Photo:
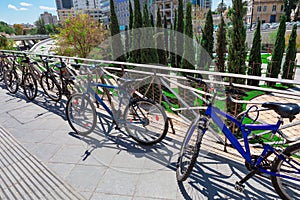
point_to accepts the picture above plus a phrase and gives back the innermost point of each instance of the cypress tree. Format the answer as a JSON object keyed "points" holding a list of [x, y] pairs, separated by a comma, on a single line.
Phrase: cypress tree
{"points": [[254, 67], [274, 66], [188, 59], [207, 40], [129, 34], [291, 51], [179, 29], [137, 23], [237, 48], [152, 20], [130, 16], [160, 43], [166, 37], [116, 44], [221, 46], [173, 41]]}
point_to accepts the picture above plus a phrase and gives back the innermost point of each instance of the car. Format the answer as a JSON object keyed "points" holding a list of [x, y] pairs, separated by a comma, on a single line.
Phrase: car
{"points": [[274, 25], [265, 26]]}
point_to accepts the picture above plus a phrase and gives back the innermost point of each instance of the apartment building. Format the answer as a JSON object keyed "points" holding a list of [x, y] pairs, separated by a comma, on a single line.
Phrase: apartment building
{"points": [[268, 11]]}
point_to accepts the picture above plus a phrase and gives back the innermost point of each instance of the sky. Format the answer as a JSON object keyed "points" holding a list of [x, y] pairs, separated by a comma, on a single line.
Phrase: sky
{"points": [[28, 11], [25, 11]]}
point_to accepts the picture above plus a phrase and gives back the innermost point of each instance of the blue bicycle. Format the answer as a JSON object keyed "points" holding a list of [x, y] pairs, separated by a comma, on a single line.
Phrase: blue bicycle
{"points": [[143, 119], [283, 169]]}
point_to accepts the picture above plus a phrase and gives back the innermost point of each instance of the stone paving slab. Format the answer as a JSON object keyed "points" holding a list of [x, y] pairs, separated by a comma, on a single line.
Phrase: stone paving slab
{"points": [[113, 166]]}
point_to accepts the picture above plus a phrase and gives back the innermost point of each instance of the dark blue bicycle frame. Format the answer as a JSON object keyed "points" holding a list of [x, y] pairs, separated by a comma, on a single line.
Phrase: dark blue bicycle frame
{"points": [[246, 130]]}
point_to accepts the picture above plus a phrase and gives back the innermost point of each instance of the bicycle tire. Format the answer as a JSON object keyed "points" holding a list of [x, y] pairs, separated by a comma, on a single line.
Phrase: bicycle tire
{"points": [[189, 151], [145, 121], [281, 184], [3, 68], [11, 80], [30, 86], [82, 110], [51, 87]]}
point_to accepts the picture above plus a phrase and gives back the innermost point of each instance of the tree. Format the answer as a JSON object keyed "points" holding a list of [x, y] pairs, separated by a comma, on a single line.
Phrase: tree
{"points": [[129, 38], [19, 29], [130, 16], [288, 6], [79, 35], [237, 49], [136, 56], [221, 47], [254, 66], [40, 25], [179, 29], [221, 7], [4, 27], [160, 43], [148, 55], [188, 58], [274, 66], [207, 40], [291, 51], [3, 42], [173, 41], [166, 38], [117, 47]]}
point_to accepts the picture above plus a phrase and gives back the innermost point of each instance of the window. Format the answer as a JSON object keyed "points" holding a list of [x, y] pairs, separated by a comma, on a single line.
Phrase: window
{"points": [[265, 8], [258, 8], [274, 8]]}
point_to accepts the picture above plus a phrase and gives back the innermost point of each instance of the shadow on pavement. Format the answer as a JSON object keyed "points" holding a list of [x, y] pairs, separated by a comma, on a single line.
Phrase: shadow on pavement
{"points": [[214, 177]]}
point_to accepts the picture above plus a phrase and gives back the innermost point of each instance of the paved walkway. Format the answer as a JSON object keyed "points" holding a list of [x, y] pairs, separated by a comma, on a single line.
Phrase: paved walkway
{"points": [[41, 158]]}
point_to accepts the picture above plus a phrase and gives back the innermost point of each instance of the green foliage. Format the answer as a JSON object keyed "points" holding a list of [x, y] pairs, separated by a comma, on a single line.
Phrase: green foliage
{"points": [[79, 35], [289, 64], [5, 28], [274, 66], [52, 29], [207, 40], [40, 25], [255, 57], [117, 47], [221, 47], [160, 41], [179, 29], [135, 55], [173, 41], [130, 16], [188, 59], [237, 49], [3, 42], [19, 29]]}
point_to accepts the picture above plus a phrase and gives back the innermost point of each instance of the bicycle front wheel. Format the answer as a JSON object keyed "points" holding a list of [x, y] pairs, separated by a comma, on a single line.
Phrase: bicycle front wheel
{"points": [[145, 121], [287, 187], [11, 80], [81, 114], [30, 86], [51, 87], [189, 151]]}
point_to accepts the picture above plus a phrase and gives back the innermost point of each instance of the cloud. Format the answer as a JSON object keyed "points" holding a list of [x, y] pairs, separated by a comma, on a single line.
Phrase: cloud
{"points": [[46, 8], [10, 6], [25, 4]]}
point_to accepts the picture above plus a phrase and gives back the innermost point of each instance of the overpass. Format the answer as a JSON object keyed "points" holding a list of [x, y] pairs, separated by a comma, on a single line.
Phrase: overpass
{"points": [[27, 41]]}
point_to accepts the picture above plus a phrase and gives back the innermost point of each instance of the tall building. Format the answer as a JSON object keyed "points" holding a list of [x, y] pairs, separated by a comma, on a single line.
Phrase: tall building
{"points": [[203, 3], [64, 4], [86, 4], [49, 18]]}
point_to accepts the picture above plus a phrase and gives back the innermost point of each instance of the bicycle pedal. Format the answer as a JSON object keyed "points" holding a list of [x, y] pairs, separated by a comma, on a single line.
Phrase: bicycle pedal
{"points": [[239, 187]]}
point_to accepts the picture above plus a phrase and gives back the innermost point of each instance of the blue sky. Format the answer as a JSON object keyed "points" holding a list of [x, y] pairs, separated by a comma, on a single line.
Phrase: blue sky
{"points": [[28, 11], [25, 11]]}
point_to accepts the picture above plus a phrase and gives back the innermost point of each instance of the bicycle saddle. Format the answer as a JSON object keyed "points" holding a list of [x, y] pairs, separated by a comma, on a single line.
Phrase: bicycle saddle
{"points": [[285, 110]]}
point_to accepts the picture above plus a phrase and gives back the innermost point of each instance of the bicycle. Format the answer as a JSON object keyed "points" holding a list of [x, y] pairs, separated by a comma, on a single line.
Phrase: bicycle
{"points": [[53, 88], [284, 170], [25, 79], [144, 120], [3, 65]]}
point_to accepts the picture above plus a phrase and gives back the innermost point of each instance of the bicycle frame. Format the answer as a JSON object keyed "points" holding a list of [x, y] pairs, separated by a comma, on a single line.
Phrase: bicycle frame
{"points": [[246, 129]]}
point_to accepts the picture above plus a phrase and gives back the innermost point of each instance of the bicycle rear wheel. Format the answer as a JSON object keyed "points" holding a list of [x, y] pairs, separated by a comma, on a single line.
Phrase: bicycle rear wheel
{"points": [[81, 114], [3, 68], [51, 87], [30, 86], [189, 151], [11, 80], [146, 121], [287, 188]]}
